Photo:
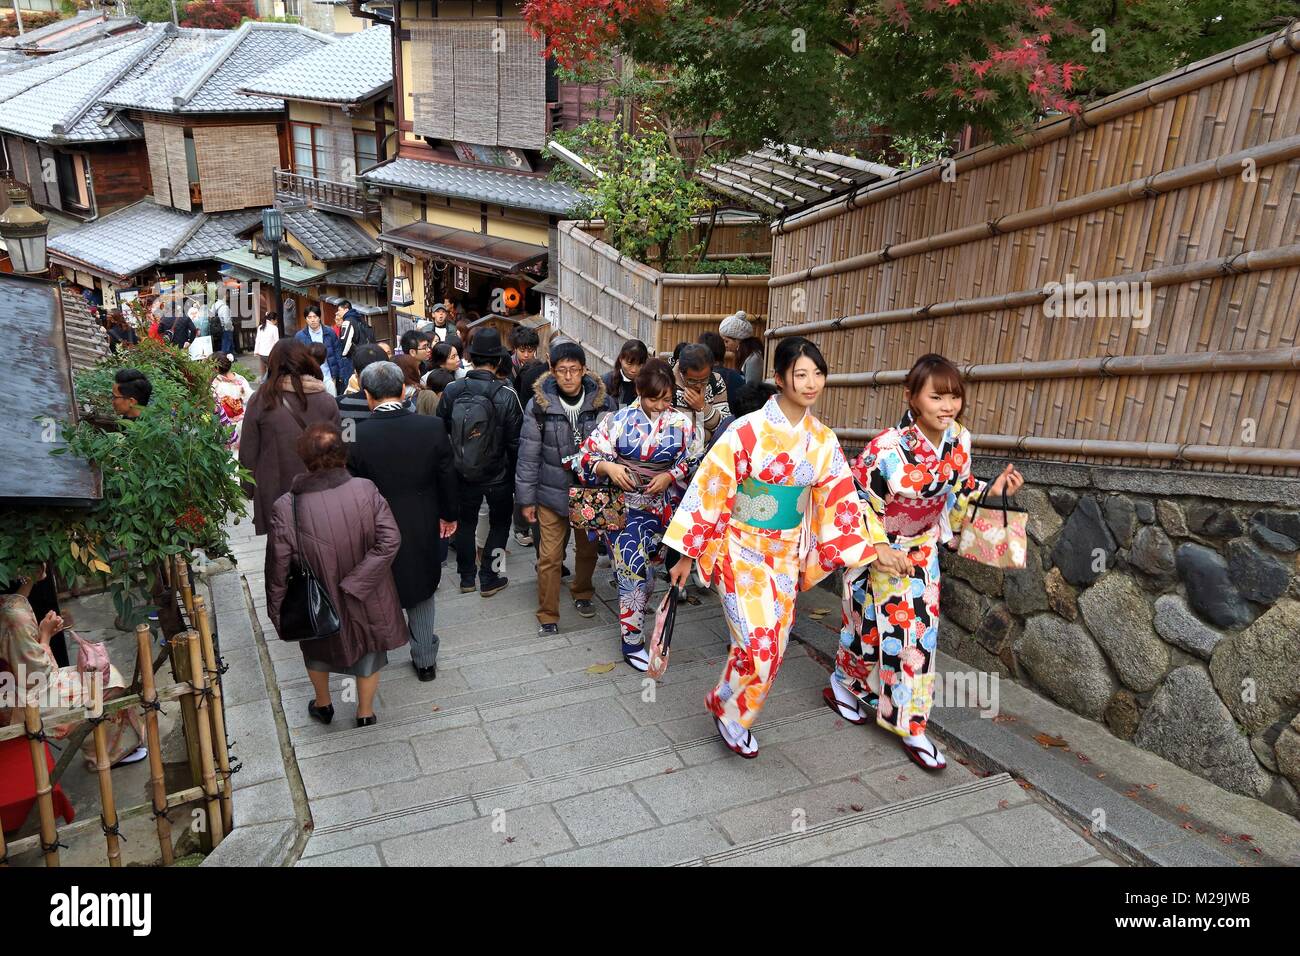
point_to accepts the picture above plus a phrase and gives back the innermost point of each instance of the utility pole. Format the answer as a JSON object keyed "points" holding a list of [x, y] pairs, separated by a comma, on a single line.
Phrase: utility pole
{"points": [[174, 20], [19, 14]]}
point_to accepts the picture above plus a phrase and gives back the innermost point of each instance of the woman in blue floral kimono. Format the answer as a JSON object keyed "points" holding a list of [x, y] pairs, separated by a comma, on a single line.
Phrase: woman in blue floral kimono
{"points": [[916, 479], [648, 449]]}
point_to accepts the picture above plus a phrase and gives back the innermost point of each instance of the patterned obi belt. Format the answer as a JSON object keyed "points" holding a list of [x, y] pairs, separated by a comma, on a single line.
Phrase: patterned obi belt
{"points": [[774, 507]]}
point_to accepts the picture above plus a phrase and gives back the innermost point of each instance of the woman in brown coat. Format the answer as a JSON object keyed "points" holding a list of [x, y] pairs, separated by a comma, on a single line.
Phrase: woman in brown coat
{"points": [[349, 539], [292, 397]]}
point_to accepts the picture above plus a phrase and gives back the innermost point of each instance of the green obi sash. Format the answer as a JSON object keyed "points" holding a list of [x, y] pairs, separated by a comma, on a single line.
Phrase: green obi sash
{"points": [[774, 507]]}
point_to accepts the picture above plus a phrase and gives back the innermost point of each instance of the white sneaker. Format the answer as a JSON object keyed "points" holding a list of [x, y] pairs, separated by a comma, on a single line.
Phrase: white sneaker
{"points": [[135, 756]]}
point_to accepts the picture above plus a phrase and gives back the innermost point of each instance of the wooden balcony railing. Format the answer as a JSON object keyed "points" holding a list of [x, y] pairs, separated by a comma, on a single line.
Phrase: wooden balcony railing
{"points": [[323, 193]]}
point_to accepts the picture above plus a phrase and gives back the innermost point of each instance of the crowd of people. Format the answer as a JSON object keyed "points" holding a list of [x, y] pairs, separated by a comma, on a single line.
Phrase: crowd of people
{"points": [[459, 438], [375, 468]]}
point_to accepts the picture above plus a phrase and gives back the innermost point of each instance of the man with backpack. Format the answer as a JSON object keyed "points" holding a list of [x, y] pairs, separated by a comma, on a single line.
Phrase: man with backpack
{"points": [[566, 406], [353, 331], [483, 417]]}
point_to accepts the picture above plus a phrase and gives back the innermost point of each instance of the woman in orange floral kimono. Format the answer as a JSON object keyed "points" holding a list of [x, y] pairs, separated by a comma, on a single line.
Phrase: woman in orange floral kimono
{"points": [[771, 511], [916, 481]]}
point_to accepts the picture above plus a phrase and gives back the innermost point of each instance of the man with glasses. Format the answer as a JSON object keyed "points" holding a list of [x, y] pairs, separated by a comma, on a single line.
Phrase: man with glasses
{"points": [[420, 345], [701, 392]]}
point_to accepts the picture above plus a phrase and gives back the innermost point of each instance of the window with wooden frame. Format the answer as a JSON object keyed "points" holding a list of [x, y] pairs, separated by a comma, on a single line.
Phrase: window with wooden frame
{"points": [[305, 157], [367, 149]]}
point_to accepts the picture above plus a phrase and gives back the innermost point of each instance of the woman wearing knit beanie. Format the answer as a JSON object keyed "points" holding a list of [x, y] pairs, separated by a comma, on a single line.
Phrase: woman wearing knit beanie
{"points": [[738, 332]]}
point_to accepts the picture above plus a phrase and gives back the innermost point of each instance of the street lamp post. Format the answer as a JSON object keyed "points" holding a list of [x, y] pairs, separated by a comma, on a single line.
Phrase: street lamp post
{"points": [[273, 232], [24, 231]]}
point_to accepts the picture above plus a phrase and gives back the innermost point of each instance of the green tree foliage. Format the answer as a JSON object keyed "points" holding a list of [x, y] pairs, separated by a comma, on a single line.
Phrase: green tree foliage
{"points": [[645, 195], [169, 480], [151, 11]]}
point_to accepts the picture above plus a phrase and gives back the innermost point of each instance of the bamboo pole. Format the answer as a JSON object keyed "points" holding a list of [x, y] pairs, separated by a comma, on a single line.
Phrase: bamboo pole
{"points": [[216, 711], [108, 808], [203, 705], [1264, 360], [1183, 272], [187, 588], [171, 802], [1249, 56], [44, 789], [1152, 451], [65, 717], [182, 670], [1167, 181], [157, 787]]}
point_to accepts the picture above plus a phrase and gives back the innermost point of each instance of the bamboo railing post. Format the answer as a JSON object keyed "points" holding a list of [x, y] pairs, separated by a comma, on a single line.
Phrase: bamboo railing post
{"points": [[149, 698], [186, 588], [108, 808], [183, 672], [44, 789], [217, 712], [203, 702]]}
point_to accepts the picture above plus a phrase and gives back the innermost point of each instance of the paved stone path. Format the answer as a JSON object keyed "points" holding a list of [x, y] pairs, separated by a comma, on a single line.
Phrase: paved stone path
{"points": [[552, 751]]}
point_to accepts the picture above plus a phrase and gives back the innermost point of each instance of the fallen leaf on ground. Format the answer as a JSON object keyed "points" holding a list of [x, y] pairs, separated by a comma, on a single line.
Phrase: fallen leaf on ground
{"points": [[436, 708], [857, 807], [1047, 740], [1255, 849], [671, 770], [510, 839], [1101, 776], [1131, 794], [1225, 839], [1003, 719], [1183, 808], [902, 778], [1003, 804], [1149, 786], [1245, 837], [1025, 784], [1188, 826], [600, 668], [1083, 757]]}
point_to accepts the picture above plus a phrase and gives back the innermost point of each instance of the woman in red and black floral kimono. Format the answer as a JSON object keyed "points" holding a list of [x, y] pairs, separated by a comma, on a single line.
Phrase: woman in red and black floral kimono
{"points": [[916, 480]]}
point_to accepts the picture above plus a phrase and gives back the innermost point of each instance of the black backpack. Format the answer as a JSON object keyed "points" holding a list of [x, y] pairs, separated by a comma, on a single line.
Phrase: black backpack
{"points": [[362, 333], [476, 433]]}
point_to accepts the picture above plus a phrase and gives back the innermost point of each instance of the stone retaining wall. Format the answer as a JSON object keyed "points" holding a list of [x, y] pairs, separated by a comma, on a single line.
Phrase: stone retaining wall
{"points": [[1175, 620]]}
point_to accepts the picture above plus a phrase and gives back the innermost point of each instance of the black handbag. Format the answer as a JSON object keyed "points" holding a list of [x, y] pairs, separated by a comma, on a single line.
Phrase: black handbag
{"points": [[307, 613]]}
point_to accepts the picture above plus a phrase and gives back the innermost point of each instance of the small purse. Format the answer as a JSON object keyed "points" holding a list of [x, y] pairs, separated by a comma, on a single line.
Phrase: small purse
{"points": [[995, 536], [597, 509], [306, 613], [662, 638]]}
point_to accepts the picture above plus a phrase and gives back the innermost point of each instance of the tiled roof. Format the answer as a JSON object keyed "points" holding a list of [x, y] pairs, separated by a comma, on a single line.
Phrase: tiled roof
{"points": [[781, 179], [145, 234], [206, 80], [87, 342], [476, 184], [127, 241], [330, 237], [54, 97], [88, 34], [216, 232], [369, 272], [351, 70], [32, 38]]}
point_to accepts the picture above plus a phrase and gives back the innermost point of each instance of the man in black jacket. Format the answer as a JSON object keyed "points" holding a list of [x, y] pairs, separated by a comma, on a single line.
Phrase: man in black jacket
{"points": [[483, 416], [409, 459], [353, 405], [567, 404]]}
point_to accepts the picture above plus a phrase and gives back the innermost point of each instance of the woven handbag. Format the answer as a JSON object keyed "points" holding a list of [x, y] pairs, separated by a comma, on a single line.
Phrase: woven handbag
{"points": [[597, 509], [995, 535]]}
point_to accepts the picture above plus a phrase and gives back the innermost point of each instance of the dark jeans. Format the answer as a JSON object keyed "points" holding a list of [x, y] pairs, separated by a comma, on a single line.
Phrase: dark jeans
{"points": [[227, 342], [500, 500]]}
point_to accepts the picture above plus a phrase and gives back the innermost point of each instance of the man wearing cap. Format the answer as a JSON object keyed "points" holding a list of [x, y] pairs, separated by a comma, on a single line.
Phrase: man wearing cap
{"points": [[483, 417], [441, 326]]}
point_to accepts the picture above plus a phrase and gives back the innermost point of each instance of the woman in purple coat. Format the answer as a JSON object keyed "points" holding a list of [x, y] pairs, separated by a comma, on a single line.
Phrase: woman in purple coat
{"points": [[349, 539]]}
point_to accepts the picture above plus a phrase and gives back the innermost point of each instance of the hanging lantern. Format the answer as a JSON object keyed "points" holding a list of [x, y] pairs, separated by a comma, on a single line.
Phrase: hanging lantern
{"points": [[24, 231], [511, 299], [402, 291]]}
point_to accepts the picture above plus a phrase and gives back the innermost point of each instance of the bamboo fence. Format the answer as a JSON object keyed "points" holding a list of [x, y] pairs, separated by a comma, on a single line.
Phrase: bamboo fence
{"points": [[607, 298], [1167, 212], [193, 655]]}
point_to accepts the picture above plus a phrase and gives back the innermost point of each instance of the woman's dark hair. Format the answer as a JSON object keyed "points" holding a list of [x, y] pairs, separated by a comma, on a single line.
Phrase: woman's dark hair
{"points": [[633, 350], [320, 446], [718, 347], [410, 366], [750, 398], [655, 379], [944, 374], [133, 383], [269, 316], [790, 350], [319, 353], [442, 351], [439, 379], [363, 355], [289, 359], [677, 350], [223, 363], [750, 346]]}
